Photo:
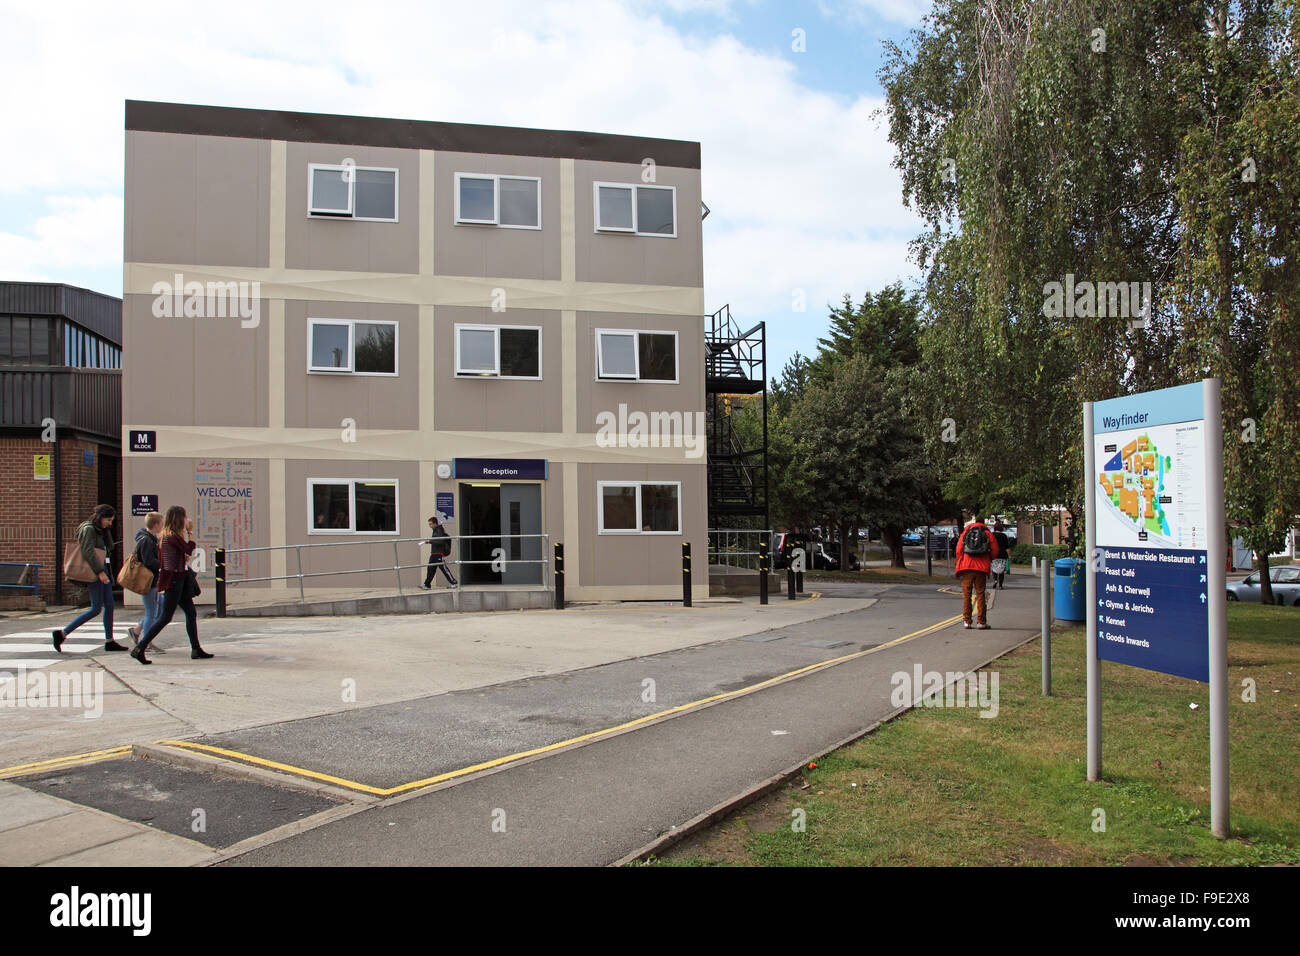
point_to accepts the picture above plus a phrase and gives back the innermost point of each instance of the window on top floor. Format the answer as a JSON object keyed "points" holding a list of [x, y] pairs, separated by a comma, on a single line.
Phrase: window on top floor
{"points": [[512, 202], [635, 208], [366, 193]]}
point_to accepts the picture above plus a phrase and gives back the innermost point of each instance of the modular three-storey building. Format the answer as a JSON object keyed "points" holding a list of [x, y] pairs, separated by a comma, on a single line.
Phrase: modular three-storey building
{"points": [[335, 327]]}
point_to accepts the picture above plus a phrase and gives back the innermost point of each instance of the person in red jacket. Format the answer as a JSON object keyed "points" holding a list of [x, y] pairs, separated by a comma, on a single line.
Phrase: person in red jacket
{"points": [[976, 549], [174, 581]]}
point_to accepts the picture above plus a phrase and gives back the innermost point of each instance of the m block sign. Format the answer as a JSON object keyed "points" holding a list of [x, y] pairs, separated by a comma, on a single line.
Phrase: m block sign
{"points": [[1151, 531]]}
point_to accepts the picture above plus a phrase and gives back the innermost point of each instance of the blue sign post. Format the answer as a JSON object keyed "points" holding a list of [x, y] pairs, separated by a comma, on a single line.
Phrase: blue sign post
{"points": [[1157, 588]]}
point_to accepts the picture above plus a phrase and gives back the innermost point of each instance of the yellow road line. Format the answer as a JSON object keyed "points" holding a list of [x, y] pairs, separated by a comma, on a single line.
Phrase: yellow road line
{"points": [[262, 762], [60, 763], [549, 748]]}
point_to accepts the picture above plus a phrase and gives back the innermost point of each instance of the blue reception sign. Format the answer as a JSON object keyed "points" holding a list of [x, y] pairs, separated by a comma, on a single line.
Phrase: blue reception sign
{"points": [[498, 469], [1152, 531]]}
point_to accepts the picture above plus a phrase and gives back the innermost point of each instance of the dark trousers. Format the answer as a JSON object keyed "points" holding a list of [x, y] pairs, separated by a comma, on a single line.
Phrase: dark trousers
{"points": [[435, 565], [171, 599]]}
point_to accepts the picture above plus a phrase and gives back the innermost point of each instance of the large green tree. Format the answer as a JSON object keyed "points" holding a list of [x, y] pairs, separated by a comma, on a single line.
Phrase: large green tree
{"points": [[1073, 141]]}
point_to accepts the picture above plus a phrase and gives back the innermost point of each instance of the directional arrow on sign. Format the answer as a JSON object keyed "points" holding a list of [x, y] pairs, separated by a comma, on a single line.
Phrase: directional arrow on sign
{"points": [[1202, 559], [1101, 604], [1202, 597], [1202, 578]]}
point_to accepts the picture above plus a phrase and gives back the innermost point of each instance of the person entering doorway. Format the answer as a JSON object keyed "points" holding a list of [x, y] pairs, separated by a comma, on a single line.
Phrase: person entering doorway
{"points": [[439, 548]]}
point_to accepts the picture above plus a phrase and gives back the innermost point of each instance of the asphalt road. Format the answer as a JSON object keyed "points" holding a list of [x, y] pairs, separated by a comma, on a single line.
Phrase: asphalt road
{"points": [[592, 804]]}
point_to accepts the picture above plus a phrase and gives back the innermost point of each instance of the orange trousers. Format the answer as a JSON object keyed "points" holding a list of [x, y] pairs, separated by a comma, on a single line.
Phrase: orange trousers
{"points": [[973, 580]]}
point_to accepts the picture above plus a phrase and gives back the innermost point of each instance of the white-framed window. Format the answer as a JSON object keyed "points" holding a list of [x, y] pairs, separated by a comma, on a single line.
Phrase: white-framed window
{"points": [[352, 506], [636, 208], [511, 202], [352, 345], [368, 193], [639, 507], [636, 356], [499, 351]]}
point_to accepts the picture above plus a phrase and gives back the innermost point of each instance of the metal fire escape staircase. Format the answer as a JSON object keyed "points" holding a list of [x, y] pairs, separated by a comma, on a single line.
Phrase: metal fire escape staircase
{"points": [[735, 363]]}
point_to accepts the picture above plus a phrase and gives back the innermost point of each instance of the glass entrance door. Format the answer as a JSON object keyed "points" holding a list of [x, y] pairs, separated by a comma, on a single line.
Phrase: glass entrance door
{"points": [[494, 510]]}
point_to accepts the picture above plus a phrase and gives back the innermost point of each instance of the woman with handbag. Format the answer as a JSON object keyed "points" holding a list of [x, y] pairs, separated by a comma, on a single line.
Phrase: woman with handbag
{"points": [[146, 553], [94, 548], [176, 584]]}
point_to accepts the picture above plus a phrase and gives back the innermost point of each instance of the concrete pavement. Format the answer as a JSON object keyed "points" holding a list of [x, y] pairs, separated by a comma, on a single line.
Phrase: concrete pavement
{"points": [[387, 702]]}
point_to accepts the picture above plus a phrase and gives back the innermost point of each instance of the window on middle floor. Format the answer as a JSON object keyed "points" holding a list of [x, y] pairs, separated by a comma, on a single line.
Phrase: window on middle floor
{"points": [[513, 202], [499, 351], [636, 356], [348, 345]]}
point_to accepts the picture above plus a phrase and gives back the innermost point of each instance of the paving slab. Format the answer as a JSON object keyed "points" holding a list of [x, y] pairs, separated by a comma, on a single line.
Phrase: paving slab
{"points": [[60, 836]]}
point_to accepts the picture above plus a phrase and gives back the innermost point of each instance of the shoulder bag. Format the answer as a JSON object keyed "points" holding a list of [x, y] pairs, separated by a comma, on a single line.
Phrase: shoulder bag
{"points": [[135, 576], [75, 568]]}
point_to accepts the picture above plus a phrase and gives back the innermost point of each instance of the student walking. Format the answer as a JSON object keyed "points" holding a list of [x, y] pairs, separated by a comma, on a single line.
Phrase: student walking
{"points": [[176, 584], [439, 548], [146, 552], [976, 549], [96, 532], [1002, 563]]}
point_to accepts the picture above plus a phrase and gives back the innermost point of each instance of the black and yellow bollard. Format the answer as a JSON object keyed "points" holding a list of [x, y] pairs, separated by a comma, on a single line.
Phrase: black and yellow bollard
{"points": [[219, 569], [686, 574], [559, 575]]}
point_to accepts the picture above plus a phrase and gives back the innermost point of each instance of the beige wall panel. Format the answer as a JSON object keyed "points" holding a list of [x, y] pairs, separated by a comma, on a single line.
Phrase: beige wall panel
{"points": [[172, 479], [619, 257], [488, 404], [202, 199], [192, 371], [634, 559], [379, 553], [595, 396], [324, 399], [487, 251], [344, 245]]}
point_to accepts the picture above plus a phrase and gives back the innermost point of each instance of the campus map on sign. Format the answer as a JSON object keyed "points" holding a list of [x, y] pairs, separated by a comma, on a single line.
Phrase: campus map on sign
{"points": [[1151, 487], [1151, 535]]}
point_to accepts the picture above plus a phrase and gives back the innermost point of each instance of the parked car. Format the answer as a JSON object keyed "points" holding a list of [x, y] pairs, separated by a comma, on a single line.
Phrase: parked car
{"points": [[913, 537], [1285, 581]]}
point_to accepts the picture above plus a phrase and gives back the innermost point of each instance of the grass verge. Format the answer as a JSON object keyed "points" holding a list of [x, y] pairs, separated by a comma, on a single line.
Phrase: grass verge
{"points": [[947, 787]]}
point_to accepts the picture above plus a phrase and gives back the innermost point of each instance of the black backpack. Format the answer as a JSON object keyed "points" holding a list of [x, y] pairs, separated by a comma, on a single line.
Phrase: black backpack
{"points": [[975, 542]]}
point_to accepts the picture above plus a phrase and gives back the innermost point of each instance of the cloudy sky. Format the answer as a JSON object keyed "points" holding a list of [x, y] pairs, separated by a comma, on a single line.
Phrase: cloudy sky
{"points": [[796, 164]]}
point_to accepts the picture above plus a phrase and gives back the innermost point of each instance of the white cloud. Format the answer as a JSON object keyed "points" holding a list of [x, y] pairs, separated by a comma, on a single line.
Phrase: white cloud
{"points": [[79, 235], [799, 181]]}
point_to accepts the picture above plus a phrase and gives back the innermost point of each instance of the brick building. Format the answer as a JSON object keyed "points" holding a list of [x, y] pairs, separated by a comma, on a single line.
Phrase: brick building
{"points": [[60, 423]]}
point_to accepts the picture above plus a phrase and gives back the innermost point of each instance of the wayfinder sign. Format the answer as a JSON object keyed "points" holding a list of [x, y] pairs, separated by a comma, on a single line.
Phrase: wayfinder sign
{"points": [[1157, 547], [1151, 529]]}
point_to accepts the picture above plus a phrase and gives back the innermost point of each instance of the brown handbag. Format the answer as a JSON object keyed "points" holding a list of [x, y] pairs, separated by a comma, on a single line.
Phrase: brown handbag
{"points": [[75, 567], [135, 575]]}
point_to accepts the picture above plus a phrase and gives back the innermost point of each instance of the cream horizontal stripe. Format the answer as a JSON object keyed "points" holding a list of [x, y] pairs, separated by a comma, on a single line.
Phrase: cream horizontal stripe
{"points": [[412, 289], [395, 445]]}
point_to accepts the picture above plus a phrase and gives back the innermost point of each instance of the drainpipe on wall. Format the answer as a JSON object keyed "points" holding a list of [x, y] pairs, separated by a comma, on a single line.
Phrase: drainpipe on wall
{"points": [[58, 525]]}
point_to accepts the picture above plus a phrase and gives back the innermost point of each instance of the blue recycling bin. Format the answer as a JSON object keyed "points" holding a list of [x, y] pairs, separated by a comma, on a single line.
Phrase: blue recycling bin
{"points": [[1070, 589]]}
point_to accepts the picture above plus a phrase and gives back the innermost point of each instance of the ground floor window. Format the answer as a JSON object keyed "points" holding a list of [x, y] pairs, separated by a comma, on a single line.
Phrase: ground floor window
{"points": [[352, 505], [1043, 534], [639, 507]]}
